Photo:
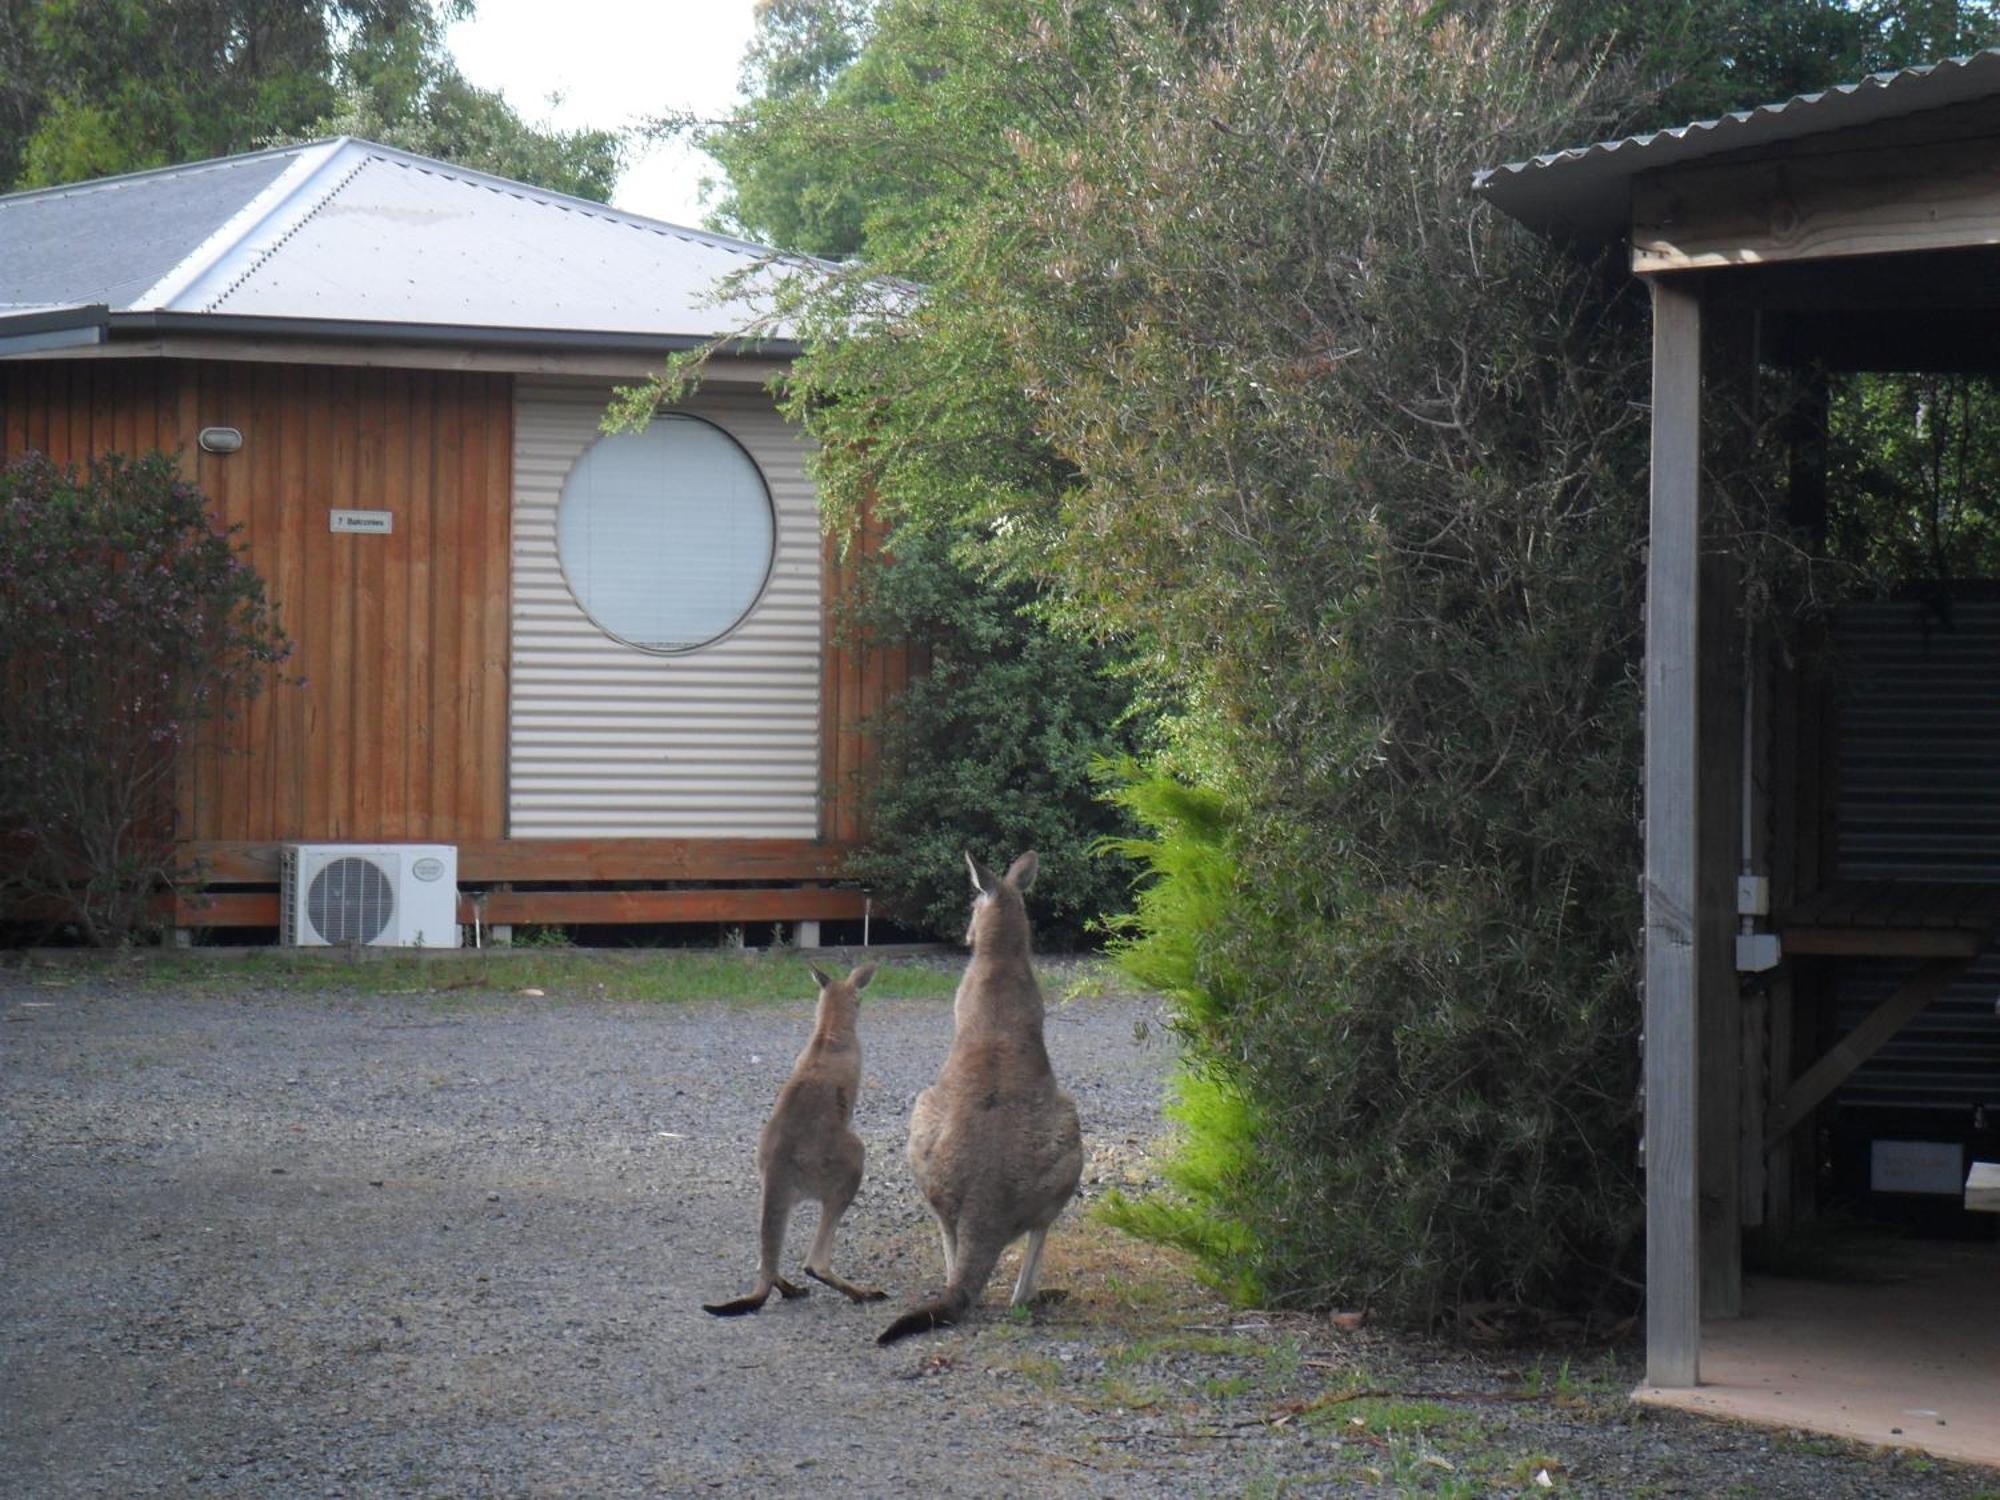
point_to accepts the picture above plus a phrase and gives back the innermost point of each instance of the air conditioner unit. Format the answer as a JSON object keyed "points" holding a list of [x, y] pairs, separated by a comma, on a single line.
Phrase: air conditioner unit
{"points": [[377, 895]]}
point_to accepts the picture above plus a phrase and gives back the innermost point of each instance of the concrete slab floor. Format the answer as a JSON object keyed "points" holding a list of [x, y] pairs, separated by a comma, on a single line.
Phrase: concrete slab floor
{"points": [[1910, 1361]]}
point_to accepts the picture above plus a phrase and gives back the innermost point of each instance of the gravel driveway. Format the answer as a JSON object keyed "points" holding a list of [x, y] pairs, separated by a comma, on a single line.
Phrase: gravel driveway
{"points": [[276, 1244]]}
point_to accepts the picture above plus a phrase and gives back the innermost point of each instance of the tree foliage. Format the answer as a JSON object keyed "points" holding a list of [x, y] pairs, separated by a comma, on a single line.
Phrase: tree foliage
{"points": [[1916, 472], [128, 626], [781, 189], [94, 87], [992, 749], [1184, 316]]}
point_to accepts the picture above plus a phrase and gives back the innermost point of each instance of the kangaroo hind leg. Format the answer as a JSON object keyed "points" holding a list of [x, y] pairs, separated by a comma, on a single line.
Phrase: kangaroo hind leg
{"points": [[1031, 1265], [773, 1212], [819, 1263]]}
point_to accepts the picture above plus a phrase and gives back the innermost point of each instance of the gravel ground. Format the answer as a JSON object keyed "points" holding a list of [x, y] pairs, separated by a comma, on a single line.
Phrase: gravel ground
{"points": [[275, 1244]]}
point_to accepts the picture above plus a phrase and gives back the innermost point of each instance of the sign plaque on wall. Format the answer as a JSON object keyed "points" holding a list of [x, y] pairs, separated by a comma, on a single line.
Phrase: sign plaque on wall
{"points": [[379, 522]]}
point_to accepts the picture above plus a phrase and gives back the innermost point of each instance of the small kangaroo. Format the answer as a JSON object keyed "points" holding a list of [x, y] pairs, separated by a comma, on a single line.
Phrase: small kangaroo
{"points": [[994, 1144], [809, 1150]]}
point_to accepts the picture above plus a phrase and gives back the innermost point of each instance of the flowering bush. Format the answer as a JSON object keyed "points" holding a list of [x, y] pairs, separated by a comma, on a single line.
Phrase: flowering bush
{"points": [[129, 625]]}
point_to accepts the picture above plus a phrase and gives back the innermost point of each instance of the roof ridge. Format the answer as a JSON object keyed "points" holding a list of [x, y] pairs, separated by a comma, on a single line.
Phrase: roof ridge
{"points": [[277, 243], [571, 202], [124, 179], [228, 235]]}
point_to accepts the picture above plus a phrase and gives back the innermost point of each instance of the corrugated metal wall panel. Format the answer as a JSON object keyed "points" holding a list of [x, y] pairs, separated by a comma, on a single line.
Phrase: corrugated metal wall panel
{"points": [[1920, 740], [606, 739], [1919, 800], [1947, 1059]]}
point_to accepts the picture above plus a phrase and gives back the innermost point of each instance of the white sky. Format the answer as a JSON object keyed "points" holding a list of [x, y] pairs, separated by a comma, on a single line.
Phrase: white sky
{"points": [[615, 62]]}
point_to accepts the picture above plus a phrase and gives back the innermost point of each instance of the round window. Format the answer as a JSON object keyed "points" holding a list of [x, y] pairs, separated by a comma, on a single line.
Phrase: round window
{"points": [[666, 537]]}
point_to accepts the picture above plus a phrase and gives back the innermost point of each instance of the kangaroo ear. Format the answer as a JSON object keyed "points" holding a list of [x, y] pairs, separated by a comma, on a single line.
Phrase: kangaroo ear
{"points": [[1021, 873], [860, 977], [820, 976], [982, 878]]}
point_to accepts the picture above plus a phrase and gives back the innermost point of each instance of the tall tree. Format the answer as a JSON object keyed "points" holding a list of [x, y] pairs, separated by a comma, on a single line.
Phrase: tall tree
{"points": [[403, 89], [93, 87], [800, 52]]}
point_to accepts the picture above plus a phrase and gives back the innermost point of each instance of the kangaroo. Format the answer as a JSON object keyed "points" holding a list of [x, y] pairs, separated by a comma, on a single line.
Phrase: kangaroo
{"points": [[994, 1144], [809, 1150]]}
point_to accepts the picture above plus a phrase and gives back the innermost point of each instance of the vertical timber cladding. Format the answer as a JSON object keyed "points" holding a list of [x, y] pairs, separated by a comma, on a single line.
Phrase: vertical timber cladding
{"points": [[392, 723], [388, 721], [607, 740]]}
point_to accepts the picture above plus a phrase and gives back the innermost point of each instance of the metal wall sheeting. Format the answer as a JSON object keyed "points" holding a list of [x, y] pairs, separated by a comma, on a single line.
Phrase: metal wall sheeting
{"points": [[1919, 799], [1947, 1059], [1919, 740], [606, 740]]}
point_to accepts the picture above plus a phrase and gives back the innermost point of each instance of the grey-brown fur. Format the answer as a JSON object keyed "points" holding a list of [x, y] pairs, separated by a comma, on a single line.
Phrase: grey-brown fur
{"points": [[994, 1144], [809, 1148]]}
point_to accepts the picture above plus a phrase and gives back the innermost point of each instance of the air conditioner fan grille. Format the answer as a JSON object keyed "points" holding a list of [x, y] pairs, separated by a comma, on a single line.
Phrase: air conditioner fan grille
{"points": [[350, 900]]}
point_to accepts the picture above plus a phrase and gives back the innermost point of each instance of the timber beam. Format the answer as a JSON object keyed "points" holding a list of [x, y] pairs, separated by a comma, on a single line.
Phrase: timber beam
{"points": [[1798, 1101]]}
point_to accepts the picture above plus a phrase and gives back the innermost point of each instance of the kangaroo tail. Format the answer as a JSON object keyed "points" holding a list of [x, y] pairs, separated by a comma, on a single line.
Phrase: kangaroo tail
{"points": [[736, 1308], [978, 1254], [941, 1312]]}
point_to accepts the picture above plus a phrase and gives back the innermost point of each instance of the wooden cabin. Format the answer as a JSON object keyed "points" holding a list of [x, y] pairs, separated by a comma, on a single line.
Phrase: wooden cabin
{"points": [[1822, 854], [602, 667]]}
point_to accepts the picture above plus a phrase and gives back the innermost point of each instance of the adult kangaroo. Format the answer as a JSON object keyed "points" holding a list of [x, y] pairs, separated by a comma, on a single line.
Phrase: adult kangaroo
{"points": [[994, 1143], [809, 1149]]}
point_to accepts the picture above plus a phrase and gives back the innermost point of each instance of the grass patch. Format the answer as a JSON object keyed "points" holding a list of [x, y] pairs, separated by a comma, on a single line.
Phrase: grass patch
{"points": [[675, 975], [1039, 1370], [1121, 1393], [1207, 1345], [1128, 1288], [1392, 1416]]}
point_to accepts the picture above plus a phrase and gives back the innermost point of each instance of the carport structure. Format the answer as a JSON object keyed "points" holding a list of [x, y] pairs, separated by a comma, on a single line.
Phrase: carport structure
{"points": [[1852, 230]]}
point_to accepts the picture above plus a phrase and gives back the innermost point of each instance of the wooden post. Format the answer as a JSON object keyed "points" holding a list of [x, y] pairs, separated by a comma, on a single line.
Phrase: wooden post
{"points": [[1781, 1166], [1728, 358], [1751, 1093], [1673, 935]]}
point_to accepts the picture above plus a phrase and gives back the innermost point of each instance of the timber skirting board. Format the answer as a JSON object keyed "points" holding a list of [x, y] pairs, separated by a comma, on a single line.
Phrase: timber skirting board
{"points": [[484, 861], [792, 875], [584, 908]]}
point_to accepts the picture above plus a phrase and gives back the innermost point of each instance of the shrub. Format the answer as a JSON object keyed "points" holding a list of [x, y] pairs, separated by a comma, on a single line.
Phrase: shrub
{"points": [[128, 626], [1171, 943], [1364, 462], [989, 751]]}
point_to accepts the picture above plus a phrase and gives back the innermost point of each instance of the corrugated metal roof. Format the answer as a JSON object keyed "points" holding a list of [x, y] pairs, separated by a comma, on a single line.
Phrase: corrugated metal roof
{"points": [[1585, 192], [346, 231], [109, 241]]}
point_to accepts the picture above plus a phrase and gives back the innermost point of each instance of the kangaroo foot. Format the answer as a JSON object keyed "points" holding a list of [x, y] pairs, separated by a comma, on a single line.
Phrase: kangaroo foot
{"points": [[1049, 1296], [849, 1289], [750, 1304]]}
